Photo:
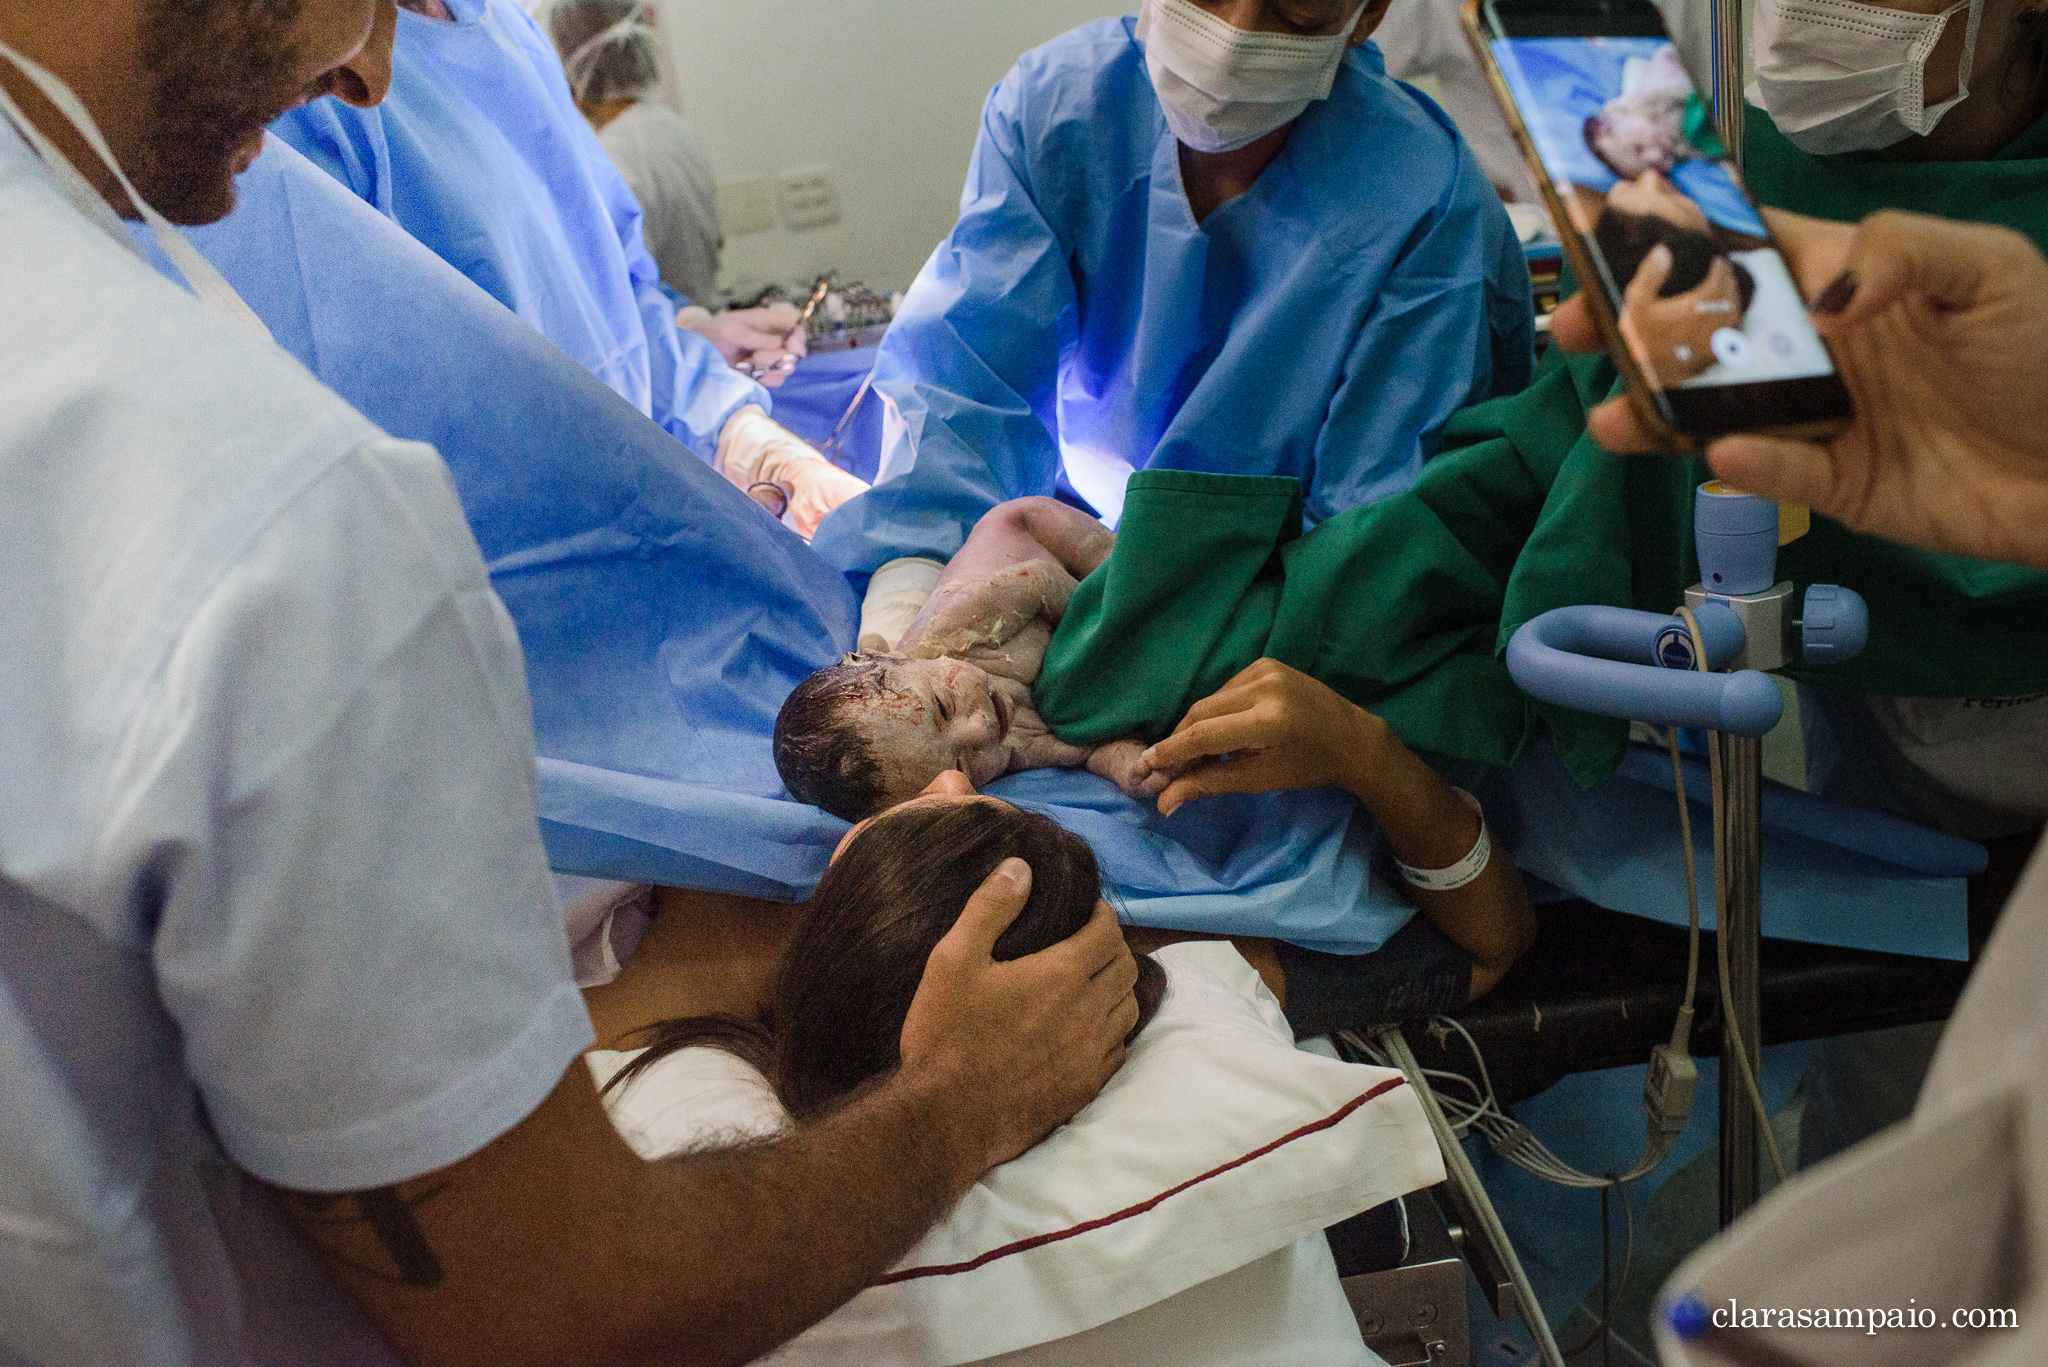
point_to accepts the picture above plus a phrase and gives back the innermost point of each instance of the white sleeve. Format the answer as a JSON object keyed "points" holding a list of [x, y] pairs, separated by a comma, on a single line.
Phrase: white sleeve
{"points": [[333, 778]]}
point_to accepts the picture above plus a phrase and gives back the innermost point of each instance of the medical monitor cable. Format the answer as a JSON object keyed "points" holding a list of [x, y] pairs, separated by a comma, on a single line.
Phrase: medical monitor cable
{"points": [[1732, 1031], [1668, 1087]]}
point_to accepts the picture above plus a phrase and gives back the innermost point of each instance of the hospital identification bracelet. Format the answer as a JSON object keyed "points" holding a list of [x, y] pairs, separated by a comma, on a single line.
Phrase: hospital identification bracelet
{"points": [[1460, 873]]}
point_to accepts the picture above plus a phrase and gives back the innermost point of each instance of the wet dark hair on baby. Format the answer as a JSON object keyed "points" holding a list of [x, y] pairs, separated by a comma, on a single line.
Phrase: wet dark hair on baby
{"points": [[822, 756], [847, 978]]}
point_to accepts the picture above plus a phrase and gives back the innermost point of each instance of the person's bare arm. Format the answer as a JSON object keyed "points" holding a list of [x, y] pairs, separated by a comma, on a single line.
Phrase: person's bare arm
{"points": [[556, 1245], [1281, 729]]}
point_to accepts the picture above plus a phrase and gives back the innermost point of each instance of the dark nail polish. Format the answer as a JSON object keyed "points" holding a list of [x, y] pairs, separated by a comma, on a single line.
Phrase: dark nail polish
{"points": [[1836, 296]]}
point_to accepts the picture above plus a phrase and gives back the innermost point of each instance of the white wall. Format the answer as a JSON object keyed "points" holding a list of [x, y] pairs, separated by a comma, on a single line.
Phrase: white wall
{"points": [[887, 93]]}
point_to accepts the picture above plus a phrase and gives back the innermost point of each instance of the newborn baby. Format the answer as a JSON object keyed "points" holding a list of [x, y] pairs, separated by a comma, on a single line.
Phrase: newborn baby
{"points": [[1643, 128], [873, 730]]}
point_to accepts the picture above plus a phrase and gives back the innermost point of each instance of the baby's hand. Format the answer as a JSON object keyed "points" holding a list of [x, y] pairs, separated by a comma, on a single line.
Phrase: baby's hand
{"points": [[1122, 762]]}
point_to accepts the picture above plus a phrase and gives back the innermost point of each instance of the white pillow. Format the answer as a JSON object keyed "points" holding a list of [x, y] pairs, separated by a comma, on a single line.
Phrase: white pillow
{"points": [[1216, 1144]]}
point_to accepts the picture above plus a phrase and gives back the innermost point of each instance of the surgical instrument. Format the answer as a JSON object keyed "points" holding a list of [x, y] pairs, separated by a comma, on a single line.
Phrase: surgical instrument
{"points": [[811, 307], [788, 362], [830, 449]]}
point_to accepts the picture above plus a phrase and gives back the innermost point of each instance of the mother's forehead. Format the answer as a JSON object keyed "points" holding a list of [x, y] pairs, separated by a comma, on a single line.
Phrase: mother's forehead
{"points": [[926, 798]]}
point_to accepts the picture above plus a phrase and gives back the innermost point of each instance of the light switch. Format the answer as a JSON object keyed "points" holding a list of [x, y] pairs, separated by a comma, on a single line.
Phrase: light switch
{"points": [[808, 197]]}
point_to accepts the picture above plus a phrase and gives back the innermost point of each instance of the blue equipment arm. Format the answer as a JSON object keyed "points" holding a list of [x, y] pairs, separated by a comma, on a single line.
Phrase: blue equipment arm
{"points": [[1606, 661]]}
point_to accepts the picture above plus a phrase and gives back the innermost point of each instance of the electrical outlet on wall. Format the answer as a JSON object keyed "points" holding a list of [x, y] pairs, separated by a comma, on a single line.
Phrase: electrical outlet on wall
{"points": [[745, 206], [809, 197]]}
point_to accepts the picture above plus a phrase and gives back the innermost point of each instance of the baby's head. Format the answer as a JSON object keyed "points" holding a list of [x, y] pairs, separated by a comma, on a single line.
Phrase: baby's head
{"points": [[1631, 142], [869, 732], [1643, 128]]}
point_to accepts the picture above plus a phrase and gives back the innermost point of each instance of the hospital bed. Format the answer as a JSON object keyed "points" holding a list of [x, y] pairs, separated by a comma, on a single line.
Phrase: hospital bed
{"points": [[664, 617], [1598, 989]]}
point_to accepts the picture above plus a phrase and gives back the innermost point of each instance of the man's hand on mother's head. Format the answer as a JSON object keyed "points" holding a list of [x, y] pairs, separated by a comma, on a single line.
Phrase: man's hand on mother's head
{"points": [[1031, 1039]]}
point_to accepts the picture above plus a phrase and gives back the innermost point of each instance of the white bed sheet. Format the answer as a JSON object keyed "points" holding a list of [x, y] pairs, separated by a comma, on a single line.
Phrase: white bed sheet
{"points": [[1212, 1246], [1286, 1308]]}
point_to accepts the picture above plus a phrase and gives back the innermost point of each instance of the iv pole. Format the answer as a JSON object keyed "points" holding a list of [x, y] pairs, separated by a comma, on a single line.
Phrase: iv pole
{"points": [[1618, 662], [1730, 43], [1740, 863]]}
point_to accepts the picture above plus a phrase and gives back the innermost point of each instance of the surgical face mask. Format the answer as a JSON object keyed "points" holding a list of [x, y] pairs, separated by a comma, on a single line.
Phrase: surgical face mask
{"points": [[1222, 87], [1836, 76]]}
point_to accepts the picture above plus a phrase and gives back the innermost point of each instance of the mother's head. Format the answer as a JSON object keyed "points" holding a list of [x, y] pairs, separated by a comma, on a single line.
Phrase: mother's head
{"points": [[894, 889], [1642, 214]]}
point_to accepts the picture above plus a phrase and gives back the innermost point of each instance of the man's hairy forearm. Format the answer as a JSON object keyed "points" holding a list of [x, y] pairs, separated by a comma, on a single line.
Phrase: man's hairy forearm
{"points": [[772, 1237], [556, 1245]]}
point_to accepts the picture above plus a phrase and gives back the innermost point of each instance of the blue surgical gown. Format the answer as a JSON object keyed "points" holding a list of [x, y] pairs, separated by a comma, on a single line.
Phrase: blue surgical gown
{"points": [[664, 616], [1322, 325], [479, 152]]}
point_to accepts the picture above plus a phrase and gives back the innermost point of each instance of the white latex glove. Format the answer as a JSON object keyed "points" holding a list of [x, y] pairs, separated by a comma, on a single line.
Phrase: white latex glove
{"points": [[756, 450], [896, 593], [752, 340]]}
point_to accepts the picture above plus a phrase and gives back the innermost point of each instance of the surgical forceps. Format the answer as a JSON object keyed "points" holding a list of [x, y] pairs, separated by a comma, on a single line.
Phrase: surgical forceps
{"points": [[754, 372], [830, 448]]}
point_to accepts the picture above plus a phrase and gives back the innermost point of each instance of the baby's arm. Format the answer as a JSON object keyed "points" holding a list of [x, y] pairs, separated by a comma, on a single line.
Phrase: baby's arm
{"points": [[1034, 746], [1020, 565], [1122, 762], [1026, 529], [1072, 538]]}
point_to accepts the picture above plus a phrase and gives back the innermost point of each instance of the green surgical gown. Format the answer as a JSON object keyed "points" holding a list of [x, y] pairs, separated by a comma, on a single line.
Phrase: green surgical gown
{"points": [[1407, 606]]}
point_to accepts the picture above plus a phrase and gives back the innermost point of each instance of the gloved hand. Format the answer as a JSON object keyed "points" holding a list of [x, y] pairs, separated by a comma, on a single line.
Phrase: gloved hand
{"points": [[755, 450], [751, 340], [896, 594]]}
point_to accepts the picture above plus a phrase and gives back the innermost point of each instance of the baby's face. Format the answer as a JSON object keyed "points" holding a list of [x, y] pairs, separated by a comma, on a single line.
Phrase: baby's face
{"points": [[1633, 143], [936, 715]]}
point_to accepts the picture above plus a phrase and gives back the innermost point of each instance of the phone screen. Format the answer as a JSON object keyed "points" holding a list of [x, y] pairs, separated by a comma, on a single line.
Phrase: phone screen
{"points": [[1718, 329]]}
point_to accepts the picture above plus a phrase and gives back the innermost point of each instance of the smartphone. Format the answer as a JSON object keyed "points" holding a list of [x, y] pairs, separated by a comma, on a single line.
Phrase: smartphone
{"points": [[1713, 339]]}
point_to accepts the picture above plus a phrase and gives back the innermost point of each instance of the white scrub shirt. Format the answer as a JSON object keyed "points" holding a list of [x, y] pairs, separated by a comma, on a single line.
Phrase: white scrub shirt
{"points": [[272, 897], [1943, 1217], [664, 163]]}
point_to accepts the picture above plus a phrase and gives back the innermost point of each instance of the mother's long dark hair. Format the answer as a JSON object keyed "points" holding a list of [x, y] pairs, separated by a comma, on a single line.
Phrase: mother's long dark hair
{"points": [[847, 978], [1626, 239]]}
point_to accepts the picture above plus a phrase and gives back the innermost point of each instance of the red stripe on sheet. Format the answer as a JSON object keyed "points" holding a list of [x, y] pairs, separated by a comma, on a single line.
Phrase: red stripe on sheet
{"points": [[1040, 1240]]}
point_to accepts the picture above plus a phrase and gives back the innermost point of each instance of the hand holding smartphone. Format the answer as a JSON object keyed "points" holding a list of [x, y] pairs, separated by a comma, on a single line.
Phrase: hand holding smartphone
{"points": [[1698, 309]]}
